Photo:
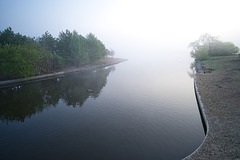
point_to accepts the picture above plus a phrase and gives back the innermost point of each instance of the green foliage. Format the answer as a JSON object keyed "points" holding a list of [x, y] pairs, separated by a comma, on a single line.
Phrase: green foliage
{"points": [[22, 60], [96, 48], [21, 56], [57, 62], [79, 54], [208, 45], [63, 44], [48, 42], [77, 50], [201, 53], [9, 37], [223, 49], [14, 62]]}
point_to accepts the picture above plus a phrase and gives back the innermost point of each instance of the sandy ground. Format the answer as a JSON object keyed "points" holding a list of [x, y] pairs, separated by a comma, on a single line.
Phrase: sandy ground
{"points": [[219, 88]]}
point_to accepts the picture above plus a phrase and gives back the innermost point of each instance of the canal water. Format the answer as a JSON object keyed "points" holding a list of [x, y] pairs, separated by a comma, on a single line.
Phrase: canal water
{"points": [[144, 109]]}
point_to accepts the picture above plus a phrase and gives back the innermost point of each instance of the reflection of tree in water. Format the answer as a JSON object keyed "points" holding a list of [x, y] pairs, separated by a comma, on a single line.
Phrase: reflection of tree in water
{"points": [[76, 89], [17, 103], [193, 70]]}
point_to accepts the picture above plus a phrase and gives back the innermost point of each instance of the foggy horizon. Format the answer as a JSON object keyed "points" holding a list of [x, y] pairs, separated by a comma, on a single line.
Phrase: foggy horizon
{"points": [[126, 25]]}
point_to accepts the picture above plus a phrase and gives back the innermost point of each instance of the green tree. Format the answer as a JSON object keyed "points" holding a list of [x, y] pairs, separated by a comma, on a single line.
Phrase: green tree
{"points": [[201, 53], [79, 54], [57, 61], [223, 49], [19, 61], [63, 45], [21, 56], [48, 42], [208, 45], [7, 36], [96, 49]]}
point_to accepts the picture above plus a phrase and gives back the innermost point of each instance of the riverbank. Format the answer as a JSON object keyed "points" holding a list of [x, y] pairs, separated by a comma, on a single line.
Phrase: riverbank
{"points": [[219, 89], [101, 63]]}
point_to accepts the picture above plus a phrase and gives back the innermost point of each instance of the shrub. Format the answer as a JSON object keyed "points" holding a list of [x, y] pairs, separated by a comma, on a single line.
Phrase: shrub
{"points": [[208, 45], [57, 62], [200, 54], [223, 49], [21, 61]]}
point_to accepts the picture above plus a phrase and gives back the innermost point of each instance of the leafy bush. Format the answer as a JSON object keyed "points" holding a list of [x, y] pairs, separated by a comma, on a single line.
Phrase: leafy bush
{"points": [[57, 62], [21, 61], [200, 54], [223, 49], [208, 45]]}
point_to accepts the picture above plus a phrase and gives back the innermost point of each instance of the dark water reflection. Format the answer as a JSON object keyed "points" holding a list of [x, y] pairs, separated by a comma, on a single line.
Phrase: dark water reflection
{"points": [[136, 112], [21, 102]]}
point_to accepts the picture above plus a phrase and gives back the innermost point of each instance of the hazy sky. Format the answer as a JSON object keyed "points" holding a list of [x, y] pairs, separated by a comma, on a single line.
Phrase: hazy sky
{"points": [[118, 22]]}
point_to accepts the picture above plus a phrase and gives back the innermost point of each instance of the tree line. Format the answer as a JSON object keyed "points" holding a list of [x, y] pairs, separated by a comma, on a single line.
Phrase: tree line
{"points": [[207, 46], [22, 56]]}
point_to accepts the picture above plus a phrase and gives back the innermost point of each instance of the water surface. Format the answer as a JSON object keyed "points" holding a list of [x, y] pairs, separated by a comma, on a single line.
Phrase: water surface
{"points": [[143, 109]]}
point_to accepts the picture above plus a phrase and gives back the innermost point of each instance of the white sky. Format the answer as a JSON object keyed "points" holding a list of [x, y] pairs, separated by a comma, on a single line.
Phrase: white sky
{"points": [[118, 22]]}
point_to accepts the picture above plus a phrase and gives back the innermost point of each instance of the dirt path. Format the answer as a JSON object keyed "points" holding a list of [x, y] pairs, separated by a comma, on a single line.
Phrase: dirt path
{"points": [[219, 88]]}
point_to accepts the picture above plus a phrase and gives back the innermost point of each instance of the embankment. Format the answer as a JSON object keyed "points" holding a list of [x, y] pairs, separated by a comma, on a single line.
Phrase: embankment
{"points": [[218, 94], [101, 63]]}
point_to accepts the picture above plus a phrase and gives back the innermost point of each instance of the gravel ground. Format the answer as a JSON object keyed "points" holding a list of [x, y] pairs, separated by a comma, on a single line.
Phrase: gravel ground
{"points": [[219, 88]]}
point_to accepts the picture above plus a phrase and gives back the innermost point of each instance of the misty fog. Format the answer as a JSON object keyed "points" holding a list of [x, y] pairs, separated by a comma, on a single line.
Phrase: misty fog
{"points": [[143, 108]]}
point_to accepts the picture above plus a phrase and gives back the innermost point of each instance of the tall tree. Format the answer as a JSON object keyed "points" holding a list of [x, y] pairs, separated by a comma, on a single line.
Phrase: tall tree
{"points": [[96, 49], [9, 37], [79, 52], [48, 42], [63, 45]]}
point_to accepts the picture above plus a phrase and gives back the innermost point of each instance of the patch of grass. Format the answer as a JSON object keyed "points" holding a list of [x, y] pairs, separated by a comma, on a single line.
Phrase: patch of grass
{"points": [[216, 63], [219, 86], [213, 65]]}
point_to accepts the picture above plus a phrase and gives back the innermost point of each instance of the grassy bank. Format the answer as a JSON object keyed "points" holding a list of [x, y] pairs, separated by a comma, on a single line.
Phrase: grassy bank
{"points": [[220, 63]]}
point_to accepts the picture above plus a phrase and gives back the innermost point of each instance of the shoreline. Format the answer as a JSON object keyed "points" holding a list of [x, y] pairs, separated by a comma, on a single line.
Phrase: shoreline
{"points": [[99, 64], [202, 113], [217, 92]]}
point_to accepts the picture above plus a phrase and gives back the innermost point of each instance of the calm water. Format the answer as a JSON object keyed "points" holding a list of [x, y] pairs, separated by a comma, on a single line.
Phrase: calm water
{"points": [[127, 111]]}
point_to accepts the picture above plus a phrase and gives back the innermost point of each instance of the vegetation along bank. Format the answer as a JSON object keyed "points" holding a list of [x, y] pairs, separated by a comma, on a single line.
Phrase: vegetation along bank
{"points": [[22, 56], [219, 89]]}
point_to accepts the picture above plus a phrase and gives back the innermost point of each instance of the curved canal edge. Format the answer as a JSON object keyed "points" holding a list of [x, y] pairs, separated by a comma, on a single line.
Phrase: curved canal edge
{"points": [[217, 93], [102, 63], [203, 118]]}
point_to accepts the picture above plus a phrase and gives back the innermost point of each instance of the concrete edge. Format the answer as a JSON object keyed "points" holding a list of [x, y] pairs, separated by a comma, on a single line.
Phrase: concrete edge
{"points": [[203, 117], [9, 83]]}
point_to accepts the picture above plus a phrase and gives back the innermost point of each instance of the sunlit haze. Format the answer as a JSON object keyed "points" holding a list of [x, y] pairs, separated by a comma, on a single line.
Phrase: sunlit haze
{"points": [[125, 24]]}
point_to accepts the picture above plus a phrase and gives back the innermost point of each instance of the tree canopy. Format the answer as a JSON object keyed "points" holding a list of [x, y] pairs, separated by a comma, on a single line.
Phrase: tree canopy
{"points": [[47, 41], [208, 45], [22, 56], [7, 36]]}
